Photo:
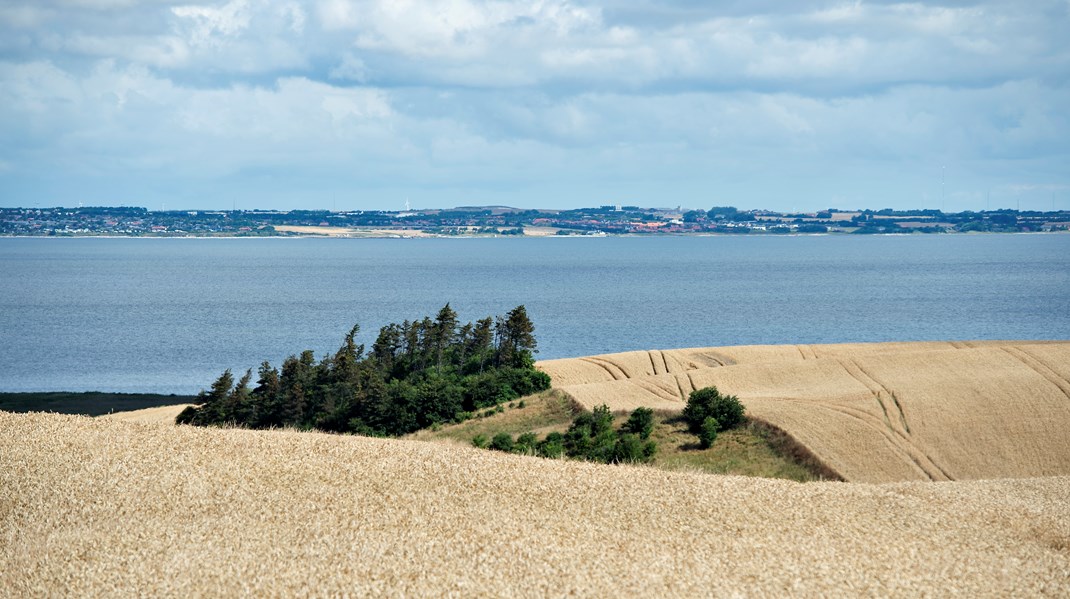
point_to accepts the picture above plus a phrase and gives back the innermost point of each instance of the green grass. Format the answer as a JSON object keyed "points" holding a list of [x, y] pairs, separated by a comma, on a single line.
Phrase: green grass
{"points": [[91, 403], [543, 413], [752, 450]]}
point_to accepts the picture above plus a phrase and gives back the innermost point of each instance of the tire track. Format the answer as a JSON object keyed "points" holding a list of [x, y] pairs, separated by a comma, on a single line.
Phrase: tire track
{"points": [[655, 389], [603, 367], [903, 447], [880, 392], [653, 365], [892, 440], [1039, 367], [680, 386]]}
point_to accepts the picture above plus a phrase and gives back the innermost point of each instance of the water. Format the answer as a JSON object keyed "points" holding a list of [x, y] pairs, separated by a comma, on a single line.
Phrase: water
{"points": [[168, 315]]}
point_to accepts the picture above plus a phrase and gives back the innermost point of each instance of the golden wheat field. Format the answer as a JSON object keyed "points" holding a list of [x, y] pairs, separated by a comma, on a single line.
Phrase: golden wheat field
{"points": [[96, 507], [158, 415], [870, 412]]}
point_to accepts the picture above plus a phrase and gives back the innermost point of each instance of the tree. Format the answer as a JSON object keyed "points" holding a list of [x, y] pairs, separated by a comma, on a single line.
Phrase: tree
{"points": [[442, 332], [516, 339], [708, 434], [707, 402], [694, 216], [640, 423], [418, 374]]}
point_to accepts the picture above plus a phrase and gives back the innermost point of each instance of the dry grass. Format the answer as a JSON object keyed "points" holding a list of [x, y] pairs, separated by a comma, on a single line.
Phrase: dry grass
{"points": [[870, 412], [541, 414], [92, 507]]}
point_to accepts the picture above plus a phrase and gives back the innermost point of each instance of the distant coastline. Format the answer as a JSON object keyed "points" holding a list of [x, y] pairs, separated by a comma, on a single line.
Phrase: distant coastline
{"points": [[500, 221]]}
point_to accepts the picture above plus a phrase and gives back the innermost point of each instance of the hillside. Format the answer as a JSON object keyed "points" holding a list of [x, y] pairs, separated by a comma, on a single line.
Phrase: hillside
{"points": [[870, 412], [93, 507], [751, 450]]}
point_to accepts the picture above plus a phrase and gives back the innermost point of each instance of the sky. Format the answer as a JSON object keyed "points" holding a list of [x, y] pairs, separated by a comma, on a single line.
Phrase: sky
{"points": [[369, 104]]}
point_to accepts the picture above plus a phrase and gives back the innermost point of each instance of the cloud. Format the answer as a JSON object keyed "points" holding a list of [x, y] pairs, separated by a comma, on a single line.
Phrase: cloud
{"points": [[559, 99]]}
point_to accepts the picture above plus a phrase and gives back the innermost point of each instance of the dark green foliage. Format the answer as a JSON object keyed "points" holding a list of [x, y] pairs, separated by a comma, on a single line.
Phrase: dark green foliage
{"points": [[418, 374], [480, 441], [707, 402], [590, 437], [640, 423], [553, 446], [708, 434], [502, 442], [526, 444]]}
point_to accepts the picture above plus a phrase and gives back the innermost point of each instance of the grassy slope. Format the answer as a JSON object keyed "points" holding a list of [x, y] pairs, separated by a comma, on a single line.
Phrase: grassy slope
{"points": [[89, 404], [748, 451]]}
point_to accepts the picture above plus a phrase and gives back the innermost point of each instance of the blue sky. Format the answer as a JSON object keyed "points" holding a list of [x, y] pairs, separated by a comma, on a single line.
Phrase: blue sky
{"points": [[364, 104]]}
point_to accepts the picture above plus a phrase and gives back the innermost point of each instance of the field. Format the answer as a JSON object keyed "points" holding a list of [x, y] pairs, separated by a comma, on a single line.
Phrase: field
{"points": [[869, 412], [94, 507], [121, 505]]}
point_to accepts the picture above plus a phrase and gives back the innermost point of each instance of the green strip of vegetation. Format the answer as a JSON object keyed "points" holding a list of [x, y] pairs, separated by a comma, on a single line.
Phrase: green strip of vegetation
{"points": [[92, 403], [748, 447]]}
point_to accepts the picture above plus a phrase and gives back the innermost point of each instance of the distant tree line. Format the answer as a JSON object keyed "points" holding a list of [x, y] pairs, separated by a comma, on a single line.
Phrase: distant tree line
{"points": [[417, 374]]}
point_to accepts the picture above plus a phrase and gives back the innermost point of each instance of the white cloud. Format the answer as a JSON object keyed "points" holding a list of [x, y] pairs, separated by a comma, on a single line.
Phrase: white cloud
{"points": [[458, 93], [208, 24]]}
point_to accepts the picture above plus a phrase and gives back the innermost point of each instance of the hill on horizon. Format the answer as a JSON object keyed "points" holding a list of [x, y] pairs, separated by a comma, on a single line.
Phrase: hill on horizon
{"points": [[879, 412]]}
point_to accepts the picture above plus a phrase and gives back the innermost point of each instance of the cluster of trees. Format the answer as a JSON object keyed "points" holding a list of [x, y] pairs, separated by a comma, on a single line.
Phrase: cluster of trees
{"points": [[590, 437], [417, 374], [708, 412]]}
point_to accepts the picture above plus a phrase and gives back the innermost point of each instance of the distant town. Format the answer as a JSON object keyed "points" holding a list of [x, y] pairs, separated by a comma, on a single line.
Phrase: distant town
{"points": [[501, 221]]}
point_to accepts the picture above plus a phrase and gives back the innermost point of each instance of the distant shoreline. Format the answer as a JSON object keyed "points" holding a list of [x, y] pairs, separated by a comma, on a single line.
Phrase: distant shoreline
{"points": [[607, 235]]}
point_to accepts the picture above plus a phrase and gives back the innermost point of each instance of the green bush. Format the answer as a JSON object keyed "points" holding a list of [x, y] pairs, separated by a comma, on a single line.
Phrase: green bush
{"points": [[553, 446], [708, 401], [502, 442], [708, 434], [631, 449], [526, 444], [480, 441], [641, 423]]}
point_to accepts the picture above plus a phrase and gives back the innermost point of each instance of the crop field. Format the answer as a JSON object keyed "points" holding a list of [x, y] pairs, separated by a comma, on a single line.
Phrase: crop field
{"points": [[869, 412], [96, 507], [158, 415]]}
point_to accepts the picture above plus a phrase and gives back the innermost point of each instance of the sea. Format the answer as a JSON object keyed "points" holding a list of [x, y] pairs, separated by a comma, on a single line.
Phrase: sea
{"points": [[169, 315]]}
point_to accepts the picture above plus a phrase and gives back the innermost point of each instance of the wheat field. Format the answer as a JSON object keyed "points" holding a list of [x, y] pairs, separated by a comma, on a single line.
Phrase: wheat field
{"points": [[879, 412], [158, 415], [97, 507]]}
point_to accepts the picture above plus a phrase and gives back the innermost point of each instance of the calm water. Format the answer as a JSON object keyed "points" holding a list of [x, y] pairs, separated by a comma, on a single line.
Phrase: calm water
{"points": [[168, 315]]}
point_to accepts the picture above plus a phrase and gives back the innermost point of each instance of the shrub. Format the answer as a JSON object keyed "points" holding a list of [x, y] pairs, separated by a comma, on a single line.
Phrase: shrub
{"points": [[480, 441], [553, 446], [707, 402], [526, 444], [630, 448], [640, 423], [708, 434], [502, 442]]}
